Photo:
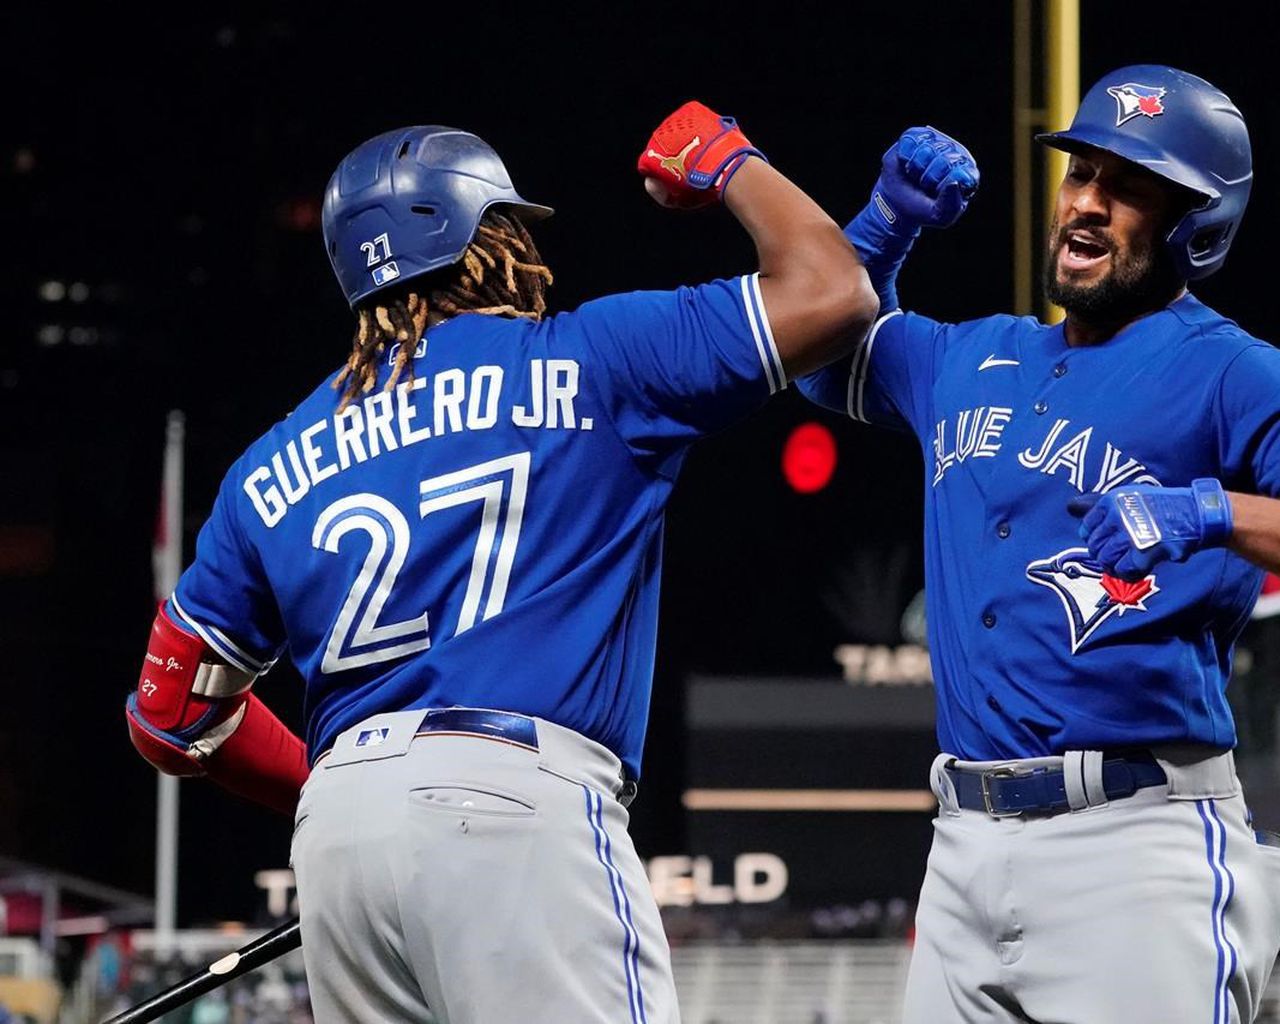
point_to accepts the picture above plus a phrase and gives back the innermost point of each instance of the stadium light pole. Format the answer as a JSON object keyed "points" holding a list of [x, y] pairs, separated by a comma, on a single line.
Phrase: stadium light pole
{"points": [[1055, 25], [166, 567]]}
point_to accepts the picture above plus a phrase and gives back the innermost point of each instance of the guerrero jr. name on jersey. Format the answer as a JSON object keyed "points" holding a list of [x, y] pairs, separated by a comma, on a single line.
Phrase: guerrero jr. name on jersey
{"points": [[448, 402]]}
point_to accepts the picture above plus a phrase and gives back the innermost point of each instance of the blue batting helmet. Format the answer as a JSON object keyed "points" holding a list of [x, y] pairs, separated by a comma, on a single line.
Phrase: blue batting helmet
{"points": [[1183, 129], [409, 201]]}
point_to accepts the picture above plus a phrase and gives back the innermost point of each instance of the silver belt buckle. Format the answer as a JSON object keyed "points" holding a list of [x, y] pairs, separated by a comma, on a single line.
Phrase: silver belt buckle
{"points": [[1001, 772]]}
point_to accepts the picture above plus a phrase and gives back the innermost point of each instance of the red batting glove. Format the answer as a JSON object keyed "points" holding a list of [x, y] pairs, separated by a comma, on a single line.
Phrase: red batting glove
{"points": [[693, 154]]}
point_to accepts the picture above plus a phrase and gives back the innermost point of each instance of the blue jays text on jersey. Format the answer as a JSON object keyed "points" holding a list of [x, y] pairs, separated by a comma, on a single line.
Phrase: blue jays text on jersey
{"points": [[488, 534], [1035, 649]]}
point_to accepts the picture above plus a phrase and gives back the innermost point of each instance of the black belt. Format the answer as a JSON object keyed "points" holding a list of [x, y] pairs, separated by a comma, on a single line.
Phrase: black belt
{"points": [[505, 727], [1005, 791]]}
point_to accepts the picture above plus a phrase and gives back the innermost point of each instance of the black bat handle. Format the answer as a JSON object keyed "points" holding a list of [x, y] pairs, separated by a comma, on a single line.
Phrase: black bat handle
{"points": [[277, 943]]}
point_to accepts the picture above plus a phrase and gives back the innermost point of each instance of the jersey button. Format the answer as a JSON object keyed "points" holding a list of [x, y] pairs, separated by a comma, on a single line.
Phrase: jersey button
{"points": [[1041, 407], [989, 620], [1003, 531], [1060, 370]]}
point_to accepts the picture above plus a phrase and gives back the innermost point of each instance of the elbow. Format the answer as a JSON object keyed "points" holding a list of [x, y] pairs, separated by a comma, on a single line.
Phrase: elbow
{"points": [[846, 307], [857, 302]]}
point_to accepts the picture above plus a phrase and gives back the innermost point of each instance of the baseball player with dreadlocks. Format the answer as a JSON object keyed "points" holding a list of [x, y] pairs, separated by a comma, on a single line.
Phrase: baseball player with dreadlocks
{"points": [[458, 538], [1093, 860]]}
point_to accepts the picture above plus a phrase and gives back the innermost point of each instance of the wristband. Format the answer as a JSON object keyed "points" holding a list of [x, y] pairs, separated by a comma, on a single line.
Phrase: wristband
{"points": [[1215, 510]]}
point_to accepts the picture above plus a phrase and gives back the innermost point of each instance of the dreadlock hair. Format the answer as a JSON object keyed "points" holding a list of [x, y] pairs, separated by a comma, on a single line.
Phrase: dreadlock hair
{"points": [[500, 273]]}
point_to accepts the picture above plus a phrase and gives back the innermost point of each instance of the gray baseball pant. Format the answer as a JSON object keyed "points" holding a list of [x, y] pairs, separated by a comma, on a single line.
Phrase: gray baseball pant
{"points": [[466, 880]]}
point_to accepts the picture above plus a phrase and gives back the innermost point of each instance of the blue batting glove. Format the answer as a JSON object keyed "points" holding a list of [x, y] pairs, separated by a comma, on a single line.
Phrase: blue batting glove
{"points": [[926, 180], [1132, 529]]}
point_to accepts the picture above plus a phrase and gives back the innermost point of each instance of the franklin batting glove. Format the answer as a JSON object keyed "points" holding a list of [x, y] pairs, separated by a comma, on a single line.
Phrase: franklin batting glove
{"points": [[1132, 529]]}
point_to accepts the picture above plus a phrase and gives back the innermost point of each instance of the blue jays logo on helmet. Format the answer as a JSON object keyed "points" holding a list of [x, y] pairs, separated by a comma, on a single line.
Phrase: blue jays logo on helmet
{"points": [[1134, 100], [1088, 595]]}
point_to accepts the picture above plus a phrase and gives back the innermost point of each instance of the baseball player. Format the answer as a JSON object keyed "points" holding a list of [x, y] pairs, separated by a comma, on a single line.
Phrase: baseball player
{"points": [[1093, 859], [458, 539]]}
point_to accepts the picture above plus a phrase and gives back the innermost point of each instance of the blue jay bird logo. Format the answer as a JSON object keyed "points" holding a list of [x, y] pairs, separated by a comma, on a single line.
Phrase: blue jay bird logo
{"points": [[1134, 100], [1089, 595]]}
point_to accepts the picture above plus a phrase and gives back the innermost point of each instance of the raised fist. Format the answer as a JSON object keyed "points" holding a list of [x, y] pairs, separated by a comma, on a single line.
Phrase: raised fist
{"points": [[691, 156], [926, 180]]}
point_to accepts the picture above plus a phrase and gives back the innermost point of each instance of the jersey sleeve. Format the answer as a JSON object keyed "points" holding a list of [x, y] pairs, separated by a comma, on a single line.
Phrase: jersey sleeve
{"points": [[1248, 421], [888, 379], [672, 366], [224, 596]]}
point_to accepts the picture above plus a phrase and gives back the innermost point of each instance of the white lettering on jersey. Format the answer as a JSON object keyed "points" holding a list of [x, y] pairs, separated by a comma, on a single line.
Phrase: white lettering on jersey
{"points": [[460, 401], [293, 492], [522, 416], [977, 436], [269, 504], [1037, 460], [377, 419], [1071, 455], [313, 454], [451, 386], [405, 412], [1114, 474], [348, 426], [562, 389], [482, 403]]}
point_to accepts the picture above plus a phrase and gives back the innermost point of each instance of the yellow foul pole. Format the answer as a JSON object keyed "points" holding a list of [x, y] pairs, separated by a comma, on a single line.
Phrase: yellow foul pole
{"points": [[1062, 97]]}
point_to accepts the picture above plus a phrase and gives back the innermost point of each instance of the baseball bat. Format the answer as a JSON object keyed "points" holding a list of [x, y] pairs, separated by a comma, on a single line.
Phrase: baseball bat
{"points": [[263, 950]]}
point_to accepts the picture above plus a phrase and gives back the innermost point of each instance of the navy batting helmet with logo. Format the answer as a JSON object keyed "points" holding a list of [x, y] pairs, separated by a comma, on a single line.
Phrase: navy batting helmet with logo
{"points": [[1183, 129], [409, 201]]}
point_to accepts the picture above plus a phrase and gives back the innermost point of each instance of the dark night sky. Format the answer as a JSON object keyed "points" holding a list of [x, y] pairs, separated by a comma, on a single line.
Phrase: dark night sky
{"points": [[176, 166]]}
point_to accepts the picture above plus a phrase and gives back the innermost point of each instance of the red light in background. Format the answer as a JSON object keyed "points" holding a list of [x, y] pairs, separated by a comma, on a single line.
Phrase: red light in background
{"points": [[809, 458]]}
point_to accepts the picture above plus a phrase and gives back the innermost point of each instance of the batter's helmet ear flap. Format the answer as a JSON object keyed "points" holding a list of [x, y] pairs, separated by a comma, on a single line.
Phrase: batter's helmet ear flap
{"points": [[408, 202], [1185, 130]]}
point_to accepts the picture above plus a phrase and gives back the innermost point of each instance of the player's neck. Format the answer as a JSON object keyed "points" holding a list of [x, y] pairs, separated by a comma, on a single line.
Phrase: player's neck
{"points": [[1081, 333]]}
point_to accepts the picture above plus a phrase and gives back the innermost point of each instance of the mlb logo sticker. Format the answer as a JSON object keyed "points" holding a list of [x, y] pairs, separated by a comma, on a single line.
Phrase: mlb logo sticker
{"points": [[1134, 100], [386, 272], [372, 737]]}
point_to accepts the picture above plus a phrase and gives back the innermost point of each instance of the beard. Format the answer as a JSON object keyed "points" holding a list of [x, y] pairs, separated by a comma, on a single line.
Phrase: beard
{"points": [[1138, 281]]}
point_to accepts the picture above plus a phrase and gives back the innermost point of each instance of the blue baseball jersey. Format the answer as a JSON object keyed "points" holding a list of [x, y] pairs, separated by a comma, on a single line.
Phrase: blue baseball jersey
{"points": [[1035, 650], [490, 533]]}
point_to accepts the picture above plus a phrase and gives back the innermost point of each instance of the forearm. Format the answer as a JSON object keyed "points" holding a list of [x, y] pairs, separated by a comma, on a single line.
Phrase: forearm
{"points": [[1255, 531], [818, 295], [883, 248]]}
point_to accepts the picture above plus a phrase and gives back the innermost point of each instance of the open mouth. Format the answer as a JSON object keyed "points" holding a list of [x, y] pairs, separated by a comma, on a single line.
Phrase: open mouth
{"points": [[1082, 251]]}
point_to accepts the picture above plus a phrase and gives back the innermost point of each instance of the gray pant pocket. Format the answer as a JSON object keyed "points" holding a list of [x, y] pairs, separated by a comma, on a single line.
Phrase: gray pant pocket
{"points": [[470, 800]]}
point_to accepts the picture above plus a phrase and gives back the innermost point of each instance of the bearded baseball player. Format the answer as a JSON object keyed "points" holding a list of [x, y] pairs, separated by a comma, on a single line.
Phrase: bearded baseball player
{"points": [[1093, 858], [458, 539]]}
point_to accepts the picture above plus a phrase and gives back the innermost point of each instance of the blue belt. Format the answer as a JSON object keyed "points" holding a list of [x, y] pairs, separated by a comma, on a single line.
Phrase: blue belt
{"points": [[493, 725], [504, 727], [1006, 792]]}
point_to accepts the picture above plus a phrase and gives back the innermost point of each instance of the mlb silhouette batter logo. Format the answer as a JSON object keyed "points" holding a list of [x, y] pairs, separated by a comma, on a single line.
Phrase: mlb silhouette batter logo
{"points": [[1089, 595], [1134, 100]]}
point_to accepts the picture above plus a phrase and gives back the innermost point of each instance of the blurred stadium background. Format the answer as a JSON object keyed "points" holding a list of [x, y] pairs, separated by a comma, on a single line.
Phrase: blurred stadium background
{"points": [[159, 193]]}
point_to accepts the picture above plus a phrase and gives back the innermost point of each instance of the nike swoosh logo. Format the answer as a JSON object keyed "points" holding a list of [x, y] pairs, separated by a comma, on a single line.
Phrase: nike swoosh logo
{"points": [[991, 361]]}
